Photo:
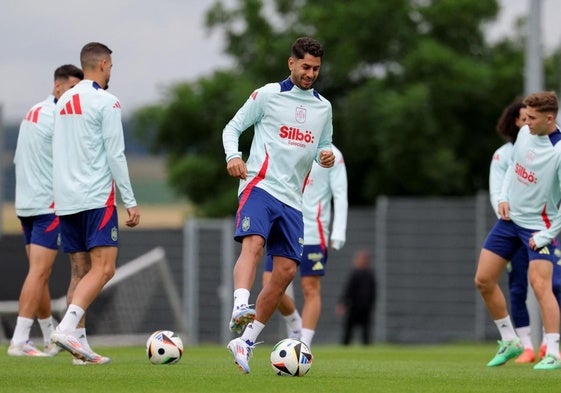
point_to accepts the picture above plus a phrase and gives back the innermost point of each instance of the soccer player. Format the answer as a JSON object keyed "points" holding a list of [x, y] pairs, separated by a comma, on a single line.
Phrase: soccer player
{"points": [[34, 208], [292, 128], [323, 186], [529, 217], [88, 163], [512, 119]]}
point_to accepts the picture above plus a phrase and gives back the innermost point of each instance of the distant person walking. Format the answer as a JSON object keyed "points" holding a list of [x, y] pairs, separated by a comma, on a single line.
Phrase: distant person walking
{"points": [[358, 300]]}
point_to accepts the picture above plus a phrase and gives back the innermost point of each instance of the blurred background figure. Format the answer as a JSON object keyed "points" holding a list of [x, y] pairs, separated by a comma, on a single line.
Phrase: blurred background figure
{"points": [[358, 299]]}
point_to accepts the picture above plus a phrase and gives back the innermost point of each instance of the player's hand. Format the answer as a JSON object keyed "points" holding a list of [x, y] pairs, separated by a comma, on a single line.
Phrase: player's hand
{"points": [[504, 211], [236, 168], [337, 244], [532, 243], [326, 158], [134, 216]]}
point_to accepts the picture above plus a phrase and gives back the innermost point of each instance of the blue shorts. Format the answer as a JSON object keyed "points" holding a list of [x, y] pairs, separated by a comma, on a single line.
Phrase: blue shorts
{"points": [[280, 225], [88, 229], [313, 261], [505, 238], [43, 230]]}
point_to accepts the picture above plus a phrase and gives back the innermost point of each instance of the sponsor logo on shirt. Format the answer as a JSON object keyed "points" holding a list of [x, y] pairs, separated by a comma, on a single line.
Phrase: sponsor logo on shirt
{"points": [[295, 136], [524, 175]]}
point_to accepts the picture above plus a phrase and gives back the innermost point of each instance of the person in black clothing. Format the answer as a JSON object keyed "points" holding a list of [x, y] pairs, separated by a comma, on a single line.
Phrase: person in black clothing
{"points": [[358, 299]]}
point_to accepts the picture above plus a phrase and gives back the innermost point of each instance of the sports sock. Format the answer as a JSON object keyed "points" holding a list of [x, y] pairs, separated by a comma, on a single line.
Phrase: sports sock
{"points": [[307, 336], [71, 319], [252, 331], [80, 334], [525, 337], [241, 297], [293, 322], [506, 329], [47, 328], [552, 341], [21, 332]]}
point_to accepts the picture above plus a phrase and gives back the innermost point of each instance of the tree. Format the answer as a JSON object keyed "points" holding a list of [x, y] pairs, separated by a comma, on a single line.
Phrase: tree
{"points": [[188, 129], [416, 93]]}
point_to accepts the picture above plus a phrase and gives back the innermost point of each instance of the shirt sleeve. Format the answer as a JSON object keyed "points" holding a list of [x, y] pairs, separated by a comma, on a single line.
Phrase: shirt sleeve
{"points": [[338, 184], [545, 237], [250, 113], [114, 144], [497, 172], [326, 137]]}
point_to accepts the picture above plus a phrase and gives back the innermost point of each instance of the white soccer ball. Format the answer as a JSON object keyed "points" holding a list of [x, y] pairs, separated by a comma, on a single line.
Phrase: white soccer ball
{"points": [[164, 347], [291, 357]]}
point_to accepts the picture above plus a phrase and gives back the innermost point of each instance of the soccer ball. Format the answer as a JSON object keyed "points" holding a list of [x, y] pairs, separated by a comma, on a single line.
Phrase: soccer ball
{"points": [[164, 347], [291, 357]]}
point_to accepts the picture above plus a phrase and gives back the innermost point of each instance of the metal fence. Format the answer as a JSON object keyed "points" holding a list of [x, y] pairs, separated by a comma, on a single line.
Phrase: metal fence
{"points": [[425, 252]]}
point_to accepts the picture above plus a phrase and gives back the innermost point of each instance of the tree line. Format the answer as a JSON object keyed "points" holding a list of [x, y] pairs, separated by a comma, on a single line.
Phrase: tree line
{"points": [[415, 86]]}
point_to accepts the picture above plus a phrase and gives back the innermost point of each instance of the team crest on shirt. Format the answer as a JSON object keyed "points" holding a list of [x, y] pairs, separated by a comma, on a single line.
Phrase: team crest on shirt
{"points": [[246, 223], [530, 156], [114, 234], [301, 114]]}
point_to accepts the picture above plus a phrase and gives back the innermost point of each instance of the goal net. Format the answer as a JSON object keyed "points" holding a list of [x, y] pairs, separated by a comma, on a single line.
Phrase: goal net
{"points": [[140, 298]]}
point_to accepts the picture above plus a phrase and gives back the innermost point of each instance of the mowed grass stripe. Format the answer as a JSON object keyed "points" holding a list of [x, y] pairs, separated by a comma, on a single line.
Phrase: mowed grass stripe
{"points": [[210, 368]]}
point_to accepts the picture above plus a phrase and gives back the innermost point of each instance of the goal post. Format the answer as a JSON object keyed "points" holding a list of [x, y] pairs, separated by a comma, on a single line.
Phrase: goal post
{"points": [[209, 252]]}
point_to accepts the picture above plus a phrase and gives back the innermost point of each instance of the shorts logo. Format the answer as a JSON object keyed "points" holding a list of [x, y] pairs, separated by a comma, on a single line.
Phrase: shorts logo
{"points": [[246, 223], [58, 240], [300, 114], [318, 266], [114, 234]]}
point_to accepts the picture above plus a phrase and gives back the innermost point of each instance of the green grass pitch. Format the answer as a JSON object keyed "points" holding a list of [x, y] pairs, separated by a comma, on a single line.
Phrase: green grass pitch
{"points": [[379, 368]]}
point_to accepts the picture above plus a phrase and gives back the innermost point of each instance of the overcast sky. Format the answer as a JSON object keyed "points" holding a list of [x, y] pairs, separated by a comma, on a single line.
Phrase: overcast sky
{"points": [[154, 43]]}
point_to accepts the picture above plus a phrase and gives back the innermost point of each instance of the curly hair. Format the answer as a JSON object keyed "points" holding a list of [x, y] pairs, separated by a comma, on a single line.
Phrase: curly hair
{"points": [[506, 126]]}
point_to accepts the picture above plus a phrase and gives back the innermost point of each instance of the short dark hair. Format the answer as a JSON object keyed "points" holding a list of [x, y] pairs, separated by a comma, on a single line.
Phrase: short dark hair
{"points": [[305, 45], [506, 126], [67, 71], [92, 52], [543, 101]]}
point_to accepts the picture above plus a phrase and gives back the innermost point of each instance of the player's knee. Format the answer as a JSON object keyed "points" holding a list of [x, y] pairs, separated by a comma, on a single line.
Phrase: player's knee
{"points": [[481, 283], [108, 272]]}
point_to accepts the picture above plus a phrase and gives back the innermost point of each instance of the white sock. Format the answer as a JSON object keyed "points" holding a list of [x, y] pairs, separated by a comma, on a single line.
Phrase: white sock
{"points": [[307, 336], [525, 337], [293, 322], [71, 319], [80, 334], [506, 329], [21, 332], [47, 328], [252, 331], [552, 341], [241, 298]]}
